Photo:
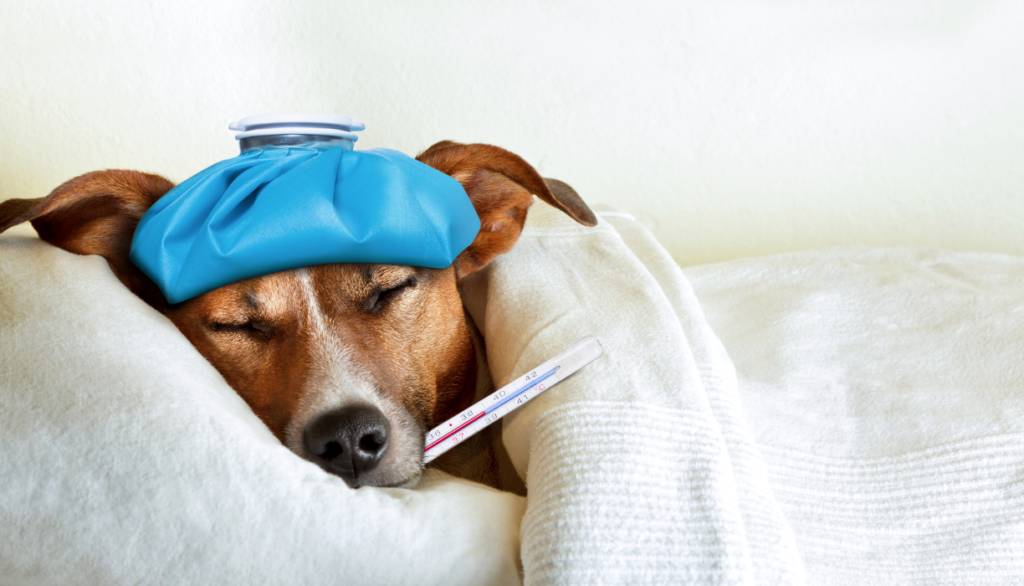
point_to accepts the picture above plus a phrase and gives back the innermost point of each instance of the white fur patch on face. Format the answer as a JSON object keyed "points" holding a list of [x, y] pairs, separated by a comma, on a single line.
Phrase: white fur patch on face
{"points": [[337, 381]]}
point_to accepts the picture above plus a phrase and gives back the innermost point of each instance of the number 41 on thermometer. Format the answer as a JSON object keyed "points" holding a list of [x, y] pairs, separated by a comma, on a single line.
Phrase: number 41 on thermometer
{"points": [[510, 397]]}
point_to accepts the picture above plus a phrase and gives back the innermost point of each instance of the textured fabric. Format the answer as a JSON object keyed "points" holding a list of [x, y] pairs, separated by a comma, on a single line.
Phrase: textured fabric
{"points": [[276, 209], [639, 467], [885, 389], [870, 432], [126, 459]]}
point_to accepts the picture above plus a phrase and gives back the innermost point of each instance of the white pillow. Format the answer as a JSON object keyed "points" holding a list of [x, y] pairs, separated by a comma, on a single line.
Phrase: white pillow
{"points": [[126, 458]]}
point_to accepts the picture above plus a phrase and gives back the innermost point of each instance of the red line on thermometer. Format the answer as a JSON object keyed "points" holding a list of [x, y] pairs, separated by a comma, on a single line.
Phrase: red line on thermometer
{"points": [[508, 398], [456, 430]]}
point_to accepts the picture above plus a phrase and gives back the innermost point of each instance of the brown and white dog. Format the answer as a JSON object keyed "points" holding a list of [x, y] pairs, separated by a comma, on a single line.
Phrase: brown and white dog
{"points": [[348, 364]]}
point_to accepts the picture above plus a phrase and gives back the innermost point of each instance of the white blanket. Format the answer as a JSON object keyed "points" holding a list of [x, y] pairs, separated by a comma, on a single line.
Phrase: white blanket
{"points": [[639, 467], [873, 434], [885, 389], [126, 459]]}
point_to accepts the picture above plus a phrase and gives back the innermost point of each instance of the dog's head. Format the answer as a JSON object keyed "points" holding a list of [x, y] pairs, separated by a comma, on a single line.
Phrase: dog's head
{"points": [[348, 364]]}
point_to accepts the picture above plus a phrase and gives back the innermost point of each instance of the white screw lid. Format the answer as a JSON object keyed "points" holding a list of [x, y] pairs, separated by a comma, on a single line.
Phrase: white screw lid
{"points": [[319, 124]]}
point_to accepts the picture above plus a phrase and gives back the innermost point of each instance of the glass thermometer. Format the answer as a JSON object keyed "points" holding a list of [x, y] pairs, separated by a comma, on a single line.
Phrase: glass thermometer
{"points": [[510, 397]]}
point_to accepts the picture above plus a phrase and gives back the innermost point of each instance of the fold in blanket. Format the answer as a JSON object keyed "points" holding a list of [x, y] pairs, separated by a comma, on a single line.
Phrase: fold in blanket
{"points": [[874, 434], [885, 388], [639, 467], [126, 459]]}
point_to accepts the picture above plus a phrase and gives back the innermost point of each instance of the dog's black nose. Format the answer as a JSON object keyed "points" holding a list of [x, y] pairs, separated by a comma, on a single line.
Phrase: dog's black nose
{"points": [[348, 442]]}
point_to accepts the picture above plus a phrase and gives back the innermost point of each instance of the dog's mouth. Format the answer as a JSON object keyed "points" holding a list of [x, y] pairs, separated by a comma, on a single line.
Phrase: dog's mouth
{"points": [[356, 483]]}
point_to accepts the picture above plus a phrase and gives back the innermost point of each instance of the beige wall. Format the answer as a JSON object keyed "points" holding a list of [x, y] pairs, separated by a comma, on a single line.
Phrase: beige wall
{"points": [[730, 128]]}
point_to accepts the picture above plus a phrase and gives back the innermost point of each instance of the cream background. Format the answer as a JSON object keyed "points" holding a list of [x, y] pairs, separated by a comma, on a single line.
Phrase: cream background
{"points": [[730, 128]]}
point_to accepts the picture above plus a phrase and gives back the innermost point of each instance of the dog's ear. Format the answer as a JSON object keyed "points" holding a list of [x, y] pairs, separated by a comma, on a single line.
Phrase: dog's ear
{"points": [[501, 186], [95, 213]]}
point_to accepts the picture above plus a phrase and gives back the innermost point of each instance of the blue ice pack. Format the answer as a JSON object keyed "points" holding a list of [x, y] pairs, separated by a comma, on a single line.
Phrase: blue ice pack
{"points": [[298, 195]]}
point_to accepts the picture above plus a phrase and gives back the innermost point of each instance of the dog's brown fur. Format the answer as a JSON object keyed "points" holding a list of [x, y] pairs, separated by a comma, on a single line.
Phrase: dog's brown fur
{"points": [[404, 327]]}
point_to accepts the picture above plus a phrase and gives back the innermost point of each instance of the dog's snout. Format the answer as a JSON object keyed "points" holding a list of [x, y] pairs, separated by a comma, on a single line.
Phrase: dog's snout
{"points": [[348, 442]]}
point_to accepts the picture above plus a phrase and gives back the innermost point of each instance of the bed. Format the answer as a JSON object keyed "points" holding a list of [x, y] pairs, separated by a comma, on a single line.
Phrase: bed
{"points": [[837, 416]]}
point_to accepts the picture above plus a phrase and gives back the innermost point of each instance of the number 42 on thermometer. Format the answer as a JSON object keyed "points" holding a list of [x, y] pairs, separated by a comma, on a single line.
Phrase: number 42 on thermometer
{"points": [[510, 397]]}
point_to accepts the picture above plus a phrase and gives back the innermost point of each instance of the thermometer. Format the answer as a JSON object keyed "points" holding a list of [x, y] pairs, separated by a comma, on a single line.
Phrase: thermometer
{"points": [[510, 397]]}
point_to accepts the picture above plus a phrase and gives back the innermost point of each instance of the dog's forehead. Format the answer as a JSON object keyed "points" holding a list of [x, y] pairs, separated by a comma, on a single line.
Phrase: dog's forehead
{"points": [[323, 283], [269, 294], [355, 282], [336, 285]]}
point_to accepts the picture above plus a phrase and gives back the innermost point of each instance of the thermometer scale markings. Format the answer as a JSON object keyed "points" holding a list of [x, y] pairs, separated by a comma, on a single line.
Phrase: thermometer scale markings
{"points": [[535, 382], [481, 415], [494, 407]]}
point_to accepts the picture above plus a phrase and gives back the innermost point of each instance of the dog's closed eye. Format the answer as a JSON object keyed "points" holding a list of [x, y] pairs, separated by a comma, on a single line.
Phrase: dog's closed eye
{"points": [[251, 328], [380, 298]]}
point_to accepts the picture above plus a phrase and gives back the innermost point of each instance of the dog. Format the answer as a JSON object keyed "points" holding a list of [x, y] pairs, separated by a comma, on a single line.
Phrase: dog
{"points": [[348, 364]]}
